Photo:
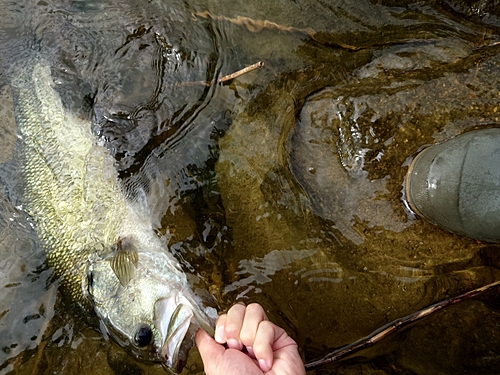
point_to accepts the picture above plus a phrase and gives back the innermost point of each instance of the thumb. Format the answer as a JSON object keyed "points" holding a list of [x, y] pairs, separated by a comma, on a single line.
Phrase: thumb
{"points": [[209, 349]]}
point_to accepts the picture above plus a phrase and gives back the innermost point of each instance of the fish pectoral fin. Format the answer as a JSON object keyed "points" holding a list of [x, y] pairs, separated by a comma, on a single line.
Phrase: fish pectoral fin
{"points": [[124, 261]]}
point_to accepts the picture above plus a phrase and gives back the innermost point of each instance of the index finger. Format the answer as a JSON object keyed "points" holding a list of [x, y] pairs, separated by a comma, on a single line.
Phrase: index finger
{"points": [[233, 325]]}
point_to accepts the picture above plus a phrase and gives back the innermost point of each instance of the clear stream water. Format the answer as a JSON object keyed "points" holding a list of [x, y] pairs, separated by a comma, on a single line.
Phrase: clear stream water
{"points": [[282, 186]]}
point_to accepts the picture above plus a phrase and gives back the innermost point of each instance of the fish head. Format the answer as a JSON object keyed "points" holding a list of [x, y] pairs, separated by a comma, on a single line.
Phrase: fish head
{"points": [[154, 314]]}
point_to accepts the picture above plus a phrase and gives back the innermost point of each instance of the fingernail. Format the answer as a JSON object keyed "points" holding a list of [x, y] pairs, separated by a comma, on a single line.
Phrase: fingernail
{"points": [[250, 352], [234, 344], [264, 366], [219, 334]]}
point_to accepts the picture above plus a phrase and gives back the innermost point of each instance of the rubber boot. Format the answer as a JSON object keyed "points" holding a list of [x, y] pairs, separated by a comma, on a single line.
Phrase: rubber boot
{"points": [[456, 184]]}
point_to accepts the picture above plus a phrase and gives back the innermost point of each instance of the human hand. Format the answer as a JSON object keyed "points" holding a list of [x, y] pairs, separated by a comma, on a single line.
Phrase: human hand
{"points": [[254, 345]]}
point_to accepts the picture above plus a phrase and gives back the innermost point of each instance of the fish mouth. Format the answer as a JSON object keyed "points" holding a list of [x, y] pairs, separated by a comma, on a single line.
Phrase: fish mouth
{"points": [[177, 322]]}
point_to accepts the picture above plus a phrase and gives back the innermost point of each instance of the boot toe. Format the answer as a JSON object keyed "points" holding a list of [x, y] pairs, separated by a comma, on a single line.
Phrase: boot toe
{"points": [[456, 184]]}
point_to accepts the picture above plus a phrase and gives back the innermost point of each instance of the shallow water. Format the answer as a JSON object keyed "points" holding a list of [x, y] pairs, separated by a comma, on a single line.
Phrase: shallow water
{"points": [[282, 186]]}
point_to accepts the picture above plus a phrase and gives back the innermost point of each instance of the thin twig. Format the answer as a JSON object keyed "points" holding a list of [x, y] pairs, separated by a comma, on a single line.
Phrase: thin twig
{"points": [[226, 78], [248, 69], [256, 26], [392, 327]]}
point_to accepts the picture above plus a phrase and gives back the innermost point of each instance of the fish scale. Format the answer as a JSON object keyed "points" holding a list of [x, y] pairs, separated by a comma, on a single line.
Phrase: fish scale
{"points": [[59, 193], [100, 244]]}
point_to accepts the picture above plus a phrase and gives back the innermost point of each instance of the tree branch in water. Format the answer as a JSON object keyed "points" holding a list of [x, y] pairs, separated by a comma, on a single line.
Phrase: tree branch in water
{"points": [[392, 327]]}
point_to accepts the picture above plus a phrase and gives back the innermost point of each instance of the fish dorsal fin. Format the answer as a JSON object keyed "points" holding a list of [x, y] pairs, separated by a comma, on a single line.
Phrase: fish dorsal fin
{"points": [[124, 261]]}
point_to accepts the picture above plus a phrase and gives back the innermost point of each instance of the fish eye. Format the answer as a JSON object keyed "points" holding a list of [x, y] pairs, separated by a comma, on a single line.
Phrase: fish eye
{"points": [[143, 336]]}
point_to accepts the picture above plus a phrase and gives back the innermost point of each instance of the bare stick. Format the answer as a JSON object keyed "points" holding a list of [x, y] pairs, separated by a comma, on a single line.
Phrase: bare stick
{"points": [[256, 26], [248, 69], [226, 78], [392, 327]]}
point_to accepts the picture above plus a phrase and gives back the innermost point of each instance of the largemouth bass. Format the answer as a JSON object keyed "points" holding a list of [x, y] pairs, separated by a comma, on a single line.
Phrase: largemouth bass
{"points": [[99, 243]]}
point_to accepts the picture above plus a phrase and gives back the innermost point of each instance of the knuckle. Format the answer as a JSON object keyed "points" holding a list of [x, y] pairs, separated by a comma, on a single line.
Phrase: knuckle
{"points": [[247, 337], [221, 319], [255, 307], [232, 329], [236, 309]]}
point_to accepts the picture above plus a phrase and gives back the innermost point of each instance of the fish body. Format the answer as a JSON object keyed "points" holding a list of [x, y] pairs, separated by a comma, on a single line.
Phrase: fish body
{"points": [[99, 243]]}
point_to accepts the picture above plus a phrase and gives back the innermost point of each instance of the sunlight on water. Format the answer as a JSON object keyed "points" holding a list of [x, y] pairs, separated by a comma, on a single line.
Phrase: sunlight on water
{"points": [[258, 271]]}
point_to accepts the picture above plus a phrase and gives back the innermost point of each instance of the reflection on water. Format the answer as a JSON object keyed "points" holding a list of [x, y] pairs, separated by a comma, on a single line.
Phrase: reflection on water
{"points": [[254, 272], [282, 186]]}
